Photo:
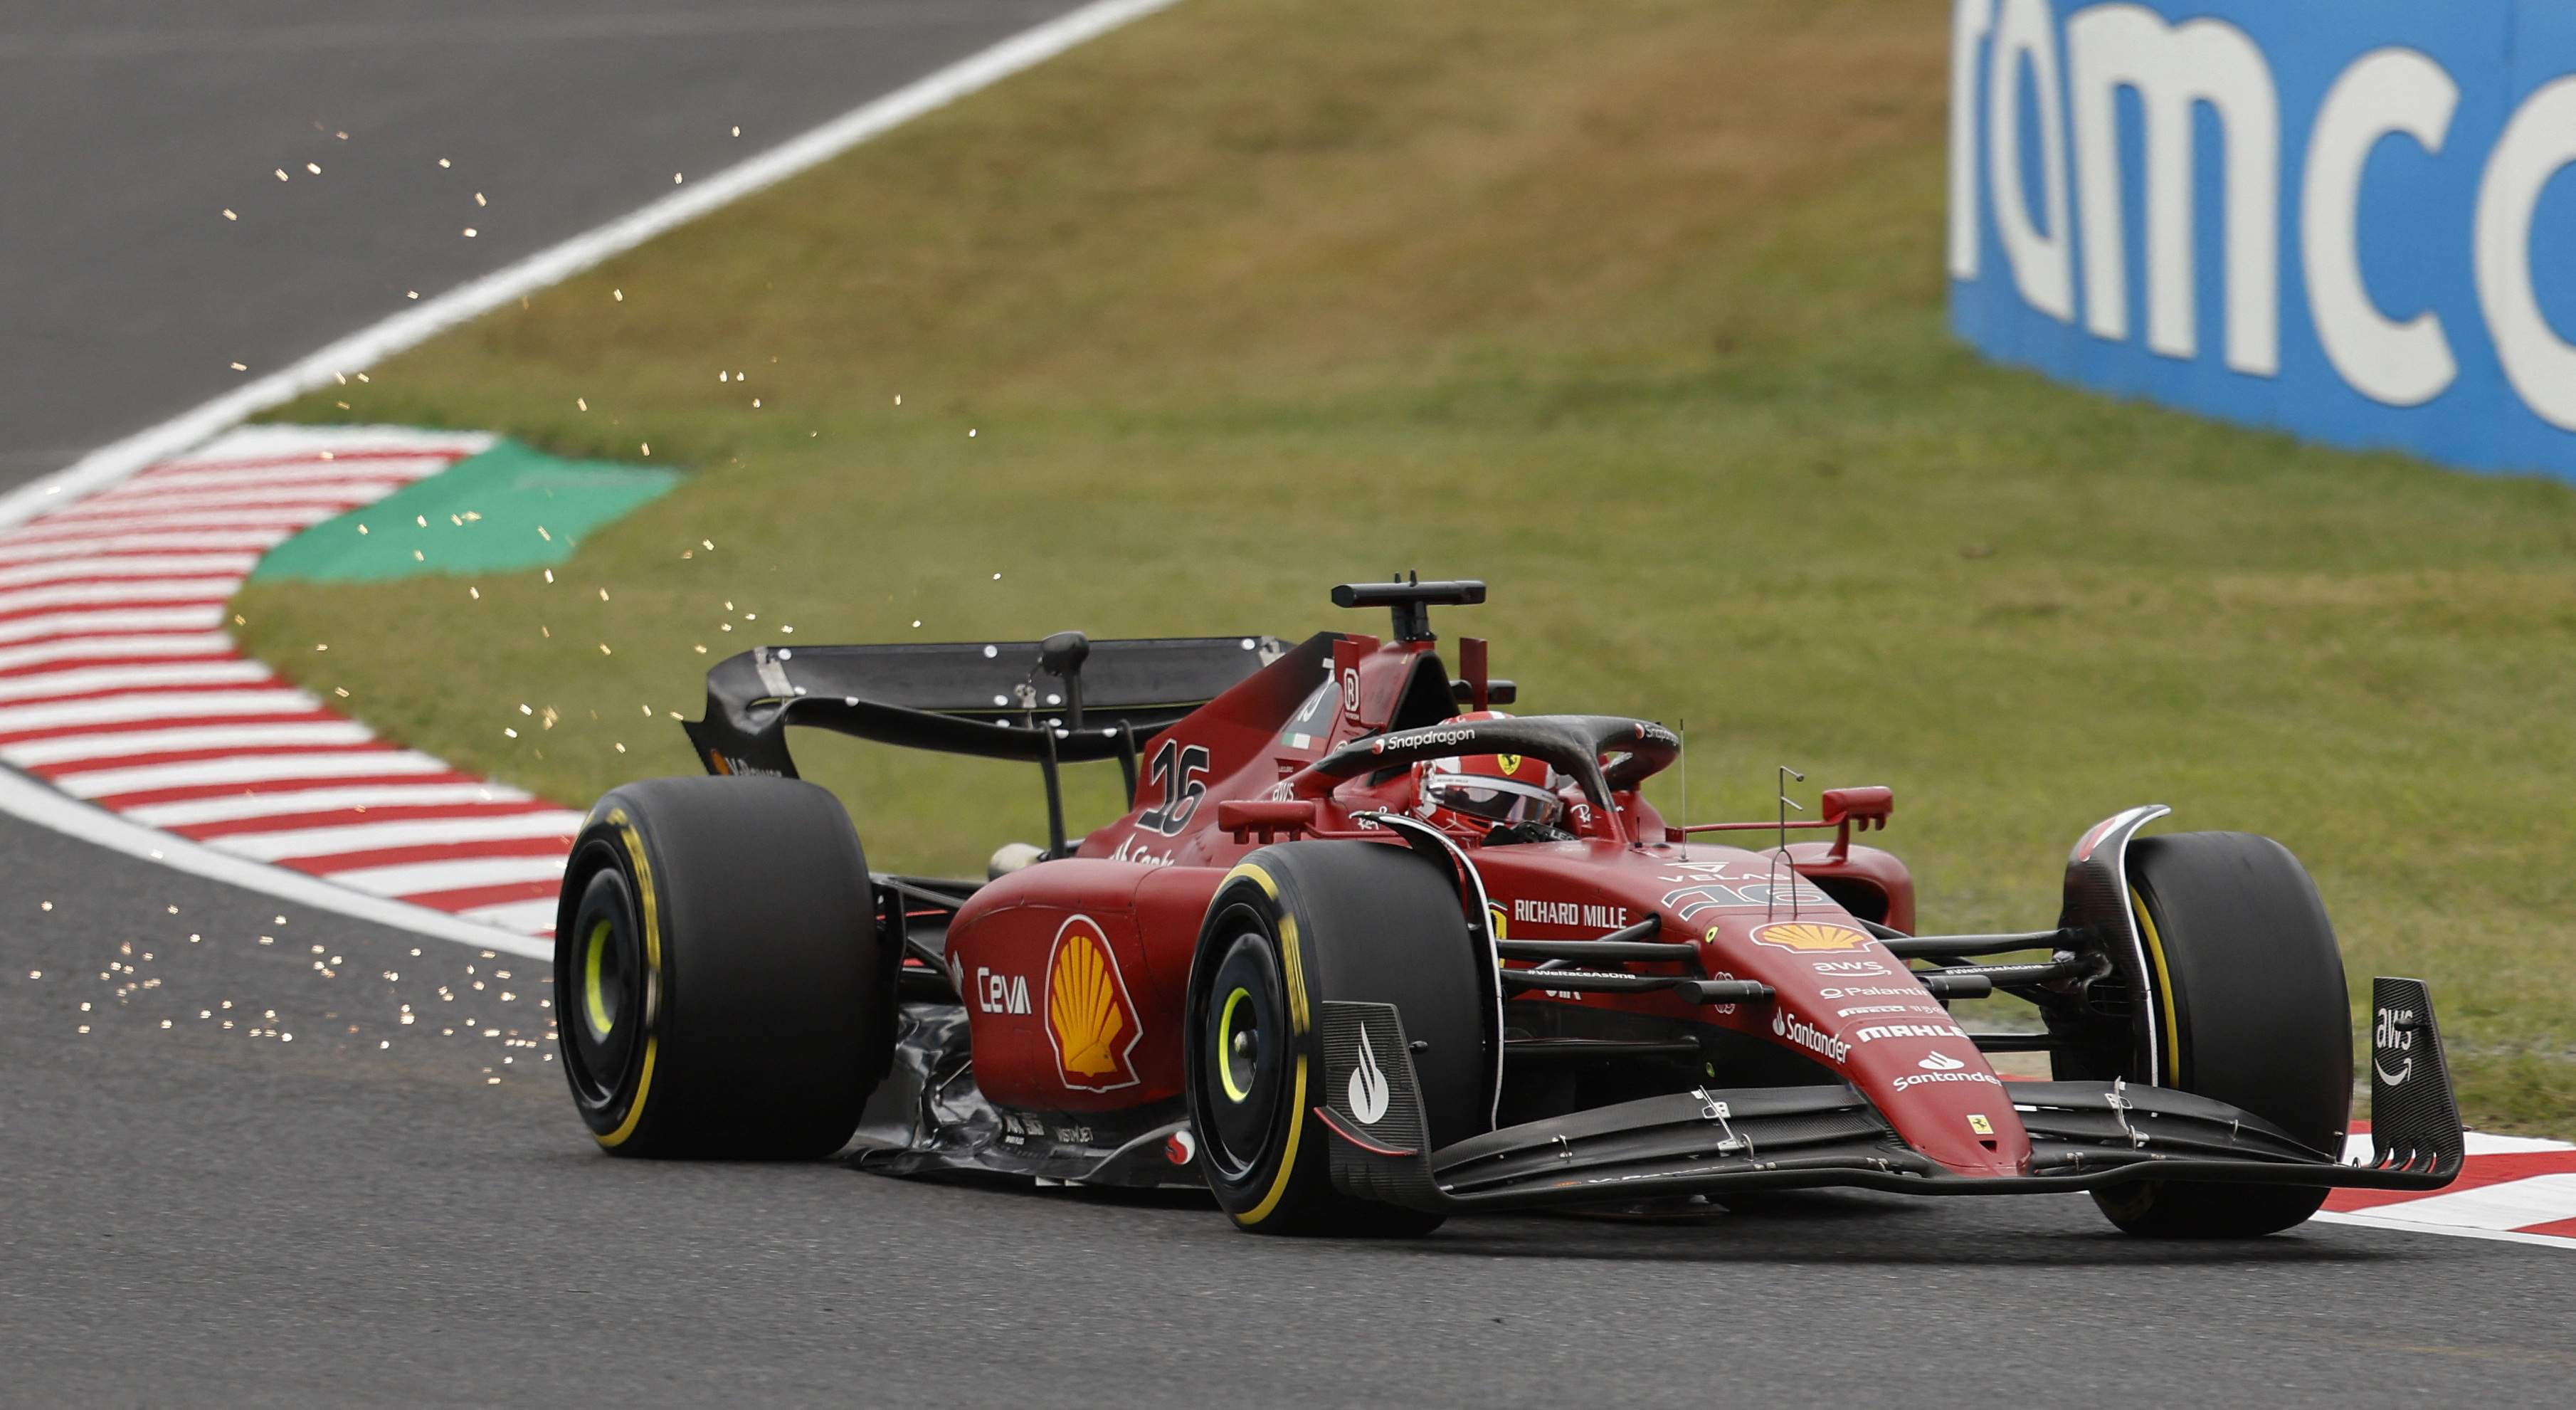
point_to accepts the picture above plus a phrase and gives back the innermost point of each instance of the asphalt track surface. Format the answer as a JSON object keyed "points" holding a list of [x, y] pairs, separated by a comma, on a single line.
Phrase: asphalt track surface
{"points": [[191, 1215]]}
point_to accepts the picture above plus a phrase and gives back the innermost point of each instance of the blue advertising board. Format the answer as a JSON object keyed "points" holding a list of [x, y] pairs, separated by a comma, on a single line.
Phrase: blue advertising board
{"points": [[2350, 219]]}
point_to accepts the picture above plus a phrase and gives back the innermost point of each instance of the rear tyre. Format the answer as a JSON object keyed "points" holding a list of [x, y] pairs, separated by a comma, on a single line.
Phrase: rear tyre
{"points": [[1293, 926], [2250, 993], [720, 984]]}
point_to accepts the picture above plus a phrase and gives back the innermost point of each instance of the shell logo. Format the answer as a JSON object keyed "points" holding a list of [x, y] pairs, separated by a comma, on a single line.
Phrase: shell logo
{"points": [[1809, 936], [1089, 1017]]}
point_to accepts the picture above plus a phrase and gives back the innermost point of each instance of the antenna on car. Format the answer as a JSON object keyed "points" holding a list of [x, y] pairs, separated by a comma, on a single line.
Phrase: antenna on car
{"points": [[1061, 656], [1411, 601], [1772, 896], [1681, 768]]}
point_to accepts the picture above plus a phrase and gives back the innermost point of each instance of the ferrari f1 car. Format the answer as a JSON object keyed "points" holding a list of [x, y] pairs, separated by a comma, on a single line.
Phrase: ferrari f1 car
{"points": [[1366, 953]]}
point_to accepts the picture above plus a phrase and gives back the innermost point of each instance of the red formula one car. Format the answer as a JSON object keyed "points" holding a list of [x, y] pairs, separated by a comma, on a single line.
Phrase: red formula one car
{"points": [[1367, 953]]}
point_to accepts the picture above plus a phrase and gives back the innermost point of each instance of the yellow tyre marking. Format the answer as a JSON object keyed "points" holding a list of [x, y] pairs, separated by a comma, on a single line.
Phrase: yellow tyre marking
{"points": [[1288, 1162], [2164, 988], [1296, 965], [1296, 974], [601, 1020], [1297, 1017], [652, 976], [1259, 877], [1225, 1045]]}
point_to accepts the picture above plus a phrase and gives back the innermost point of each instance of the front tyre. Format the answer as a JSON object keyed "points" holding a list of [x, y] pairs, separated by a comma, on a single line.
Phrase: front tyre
{"points": [[2250, 991], [720, 985], [1293, 926]]}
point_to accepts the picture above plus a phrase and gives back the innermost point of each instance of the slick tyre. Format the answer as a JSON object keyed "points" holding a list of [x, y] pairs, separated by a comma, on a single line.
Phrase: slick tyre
{"points": [[1291, 927], [721, 987], [2249, 989]]}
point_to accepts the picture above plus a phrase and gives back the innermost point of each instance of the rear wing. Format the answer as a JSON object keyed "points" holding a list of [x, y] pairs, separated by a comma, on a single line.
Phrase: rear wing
{"points": [[1065, 699]]}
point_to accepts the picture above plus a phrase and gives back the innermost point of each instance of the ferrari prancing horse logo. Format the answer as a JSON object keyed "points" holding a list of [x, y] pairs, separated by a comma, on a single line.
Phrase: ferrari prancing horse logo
{"points": [[1090, 1018]]}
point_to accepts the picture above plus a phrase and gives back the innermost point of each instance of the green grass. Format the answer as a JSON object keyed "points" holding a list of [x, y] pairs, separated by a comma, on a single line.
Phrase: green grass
{"points": [[1632, 309]]}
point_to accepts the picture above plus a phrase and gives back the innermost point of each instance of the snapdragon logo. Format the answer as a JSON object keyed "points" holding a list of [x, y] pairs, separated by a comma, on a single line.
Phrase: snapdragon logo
{"points": [[2335, 219]]}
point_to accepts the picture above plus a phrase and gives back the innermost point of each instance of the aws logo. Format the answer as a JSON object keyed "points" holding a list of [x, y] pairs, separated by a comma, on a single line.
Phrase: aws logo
{"points": [[1089, 1017]]}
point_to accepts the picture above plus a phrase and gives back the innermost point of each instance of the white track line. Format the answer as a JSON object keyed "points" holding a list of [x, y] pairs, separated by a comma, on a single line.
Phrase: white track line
{"points": [[165, 565], [54, 685], [205, 646], [41, 805], [251, 768], [2375, 1219], [384, 836], [86, 747], [288, 803], [429, 878], [129, 619], [163, 488], [368, 346], [154, 705]]}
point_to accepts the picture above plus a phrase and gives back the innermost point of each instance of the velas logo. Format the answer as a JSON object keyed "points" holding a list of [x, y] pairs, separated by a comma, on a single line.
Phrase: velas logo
{"points": [[1809, 936], [1368, 1084], [1090, 1018]]}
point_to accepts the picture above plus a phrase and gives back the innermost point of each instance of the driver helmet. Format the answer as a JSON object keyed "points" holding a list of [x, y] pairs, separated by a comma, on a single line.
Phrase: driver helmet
{"points": [[1491, 789]]}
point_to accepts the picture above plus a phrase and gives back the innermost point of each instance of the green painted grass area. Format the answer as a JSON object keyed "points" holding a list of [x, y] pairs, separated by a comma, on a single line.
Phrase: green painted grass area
{"points": [[1632, 309], [509, 508]]}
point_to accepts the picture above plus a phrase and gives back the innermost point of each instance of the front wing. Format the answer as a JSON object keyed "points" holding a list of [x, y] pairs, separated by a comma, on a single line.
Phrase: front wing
{"points": [[2084, 1135]]}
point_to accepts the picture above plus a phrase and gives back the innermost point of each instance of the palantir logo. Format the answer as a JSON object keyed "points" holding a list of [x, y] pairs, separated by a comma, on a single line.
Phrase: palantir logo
{"points": [[1368, 1090]]}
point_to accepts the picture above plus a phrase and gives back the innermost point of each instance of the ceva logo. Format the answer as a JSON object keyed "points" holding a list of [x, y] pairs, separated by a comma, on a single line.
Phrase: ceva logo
{"points": [[2341, 217]]}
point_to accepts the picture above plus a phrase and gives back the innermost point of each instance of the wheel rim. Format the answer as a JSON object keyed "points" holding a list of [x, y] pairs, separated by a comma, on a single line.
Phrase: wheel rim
{"points": [[1237, 1048], [1247, 1050], [605, 969]]}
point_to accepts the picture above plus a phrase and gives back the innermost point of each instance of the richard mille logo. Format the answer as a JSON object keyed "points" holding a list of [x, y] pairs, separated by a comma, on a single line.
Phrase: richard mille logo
{"points": [[1368, 1085]]}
